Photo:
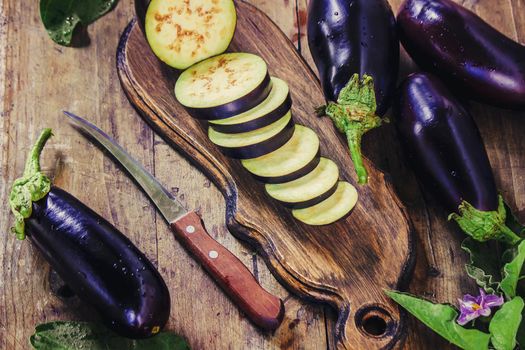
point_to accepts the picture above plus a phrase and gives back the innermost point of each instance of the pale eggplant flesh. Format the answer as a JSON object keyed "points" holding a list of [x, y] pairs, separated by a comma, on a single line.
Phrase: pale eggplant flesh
{"points": [[296, 158], [223, 86], [268, 111], [308, 190], [255, 143], [332, 209], [182, 33]]}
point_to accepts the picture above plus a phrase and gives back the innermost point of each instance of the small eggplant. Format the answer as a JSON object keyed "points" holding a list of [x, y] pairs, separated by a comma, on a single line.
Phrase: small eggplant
{"points": [[97, 261], [472, 57], [355, 47], [445, 149]]}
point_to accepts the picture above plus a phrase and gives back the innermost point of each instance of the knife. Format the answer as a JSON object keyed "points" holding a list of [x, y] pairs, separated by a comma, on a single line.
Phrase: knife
{"points": [[262, 308]]}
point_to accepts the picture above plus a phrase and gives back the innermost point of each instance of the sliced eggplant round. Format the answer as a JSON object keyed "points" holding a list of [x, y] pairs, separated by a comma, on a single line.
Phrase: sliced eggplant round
{"points": [[335, 207], [296, 158], [308, 190], [268, 111], [182, 33], [255, 143], [223, 86]]}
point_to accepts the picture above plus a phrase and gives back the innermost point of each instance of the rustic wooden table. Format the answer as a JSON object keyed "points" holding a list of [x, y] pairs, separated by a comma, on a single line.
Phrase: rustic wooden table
{"points": [[39, 78]]}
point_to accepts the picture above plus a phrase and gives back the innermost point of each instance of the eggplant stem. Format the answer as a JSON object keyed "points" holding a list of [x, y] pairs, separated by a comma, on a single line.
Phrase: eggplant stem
{"points": [[354, 115], [31, 187], [508, 236], [33, 161], [485, 225], [354, 136]]}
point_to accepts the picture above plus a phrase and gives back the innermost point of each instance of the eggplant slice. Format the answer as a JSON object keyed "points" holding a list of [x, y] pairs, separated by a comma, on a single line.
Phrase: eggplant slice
{"points": [[335, 207], [268, 111], [182, 33], [308, 190], [223, 86], [255, 143], [296, 158]]}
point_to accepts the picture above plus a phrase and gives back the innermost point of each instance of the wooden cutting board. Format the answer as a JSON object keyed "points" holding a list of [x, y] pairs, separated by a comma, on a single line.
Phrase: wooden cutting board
{"points": [[347, 264]]}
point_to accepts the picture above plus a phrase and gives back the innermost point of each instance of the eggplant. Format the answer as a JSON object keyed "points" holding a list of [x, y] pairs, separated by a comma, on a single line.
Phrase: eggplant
{"points": [[141, 7], [355, 47], [182, 33], [99, 263], [268, 111], [309, 189], [296, 158], [223, 86], [255, 143], [332, 209], [444, 147], [471, 56]]}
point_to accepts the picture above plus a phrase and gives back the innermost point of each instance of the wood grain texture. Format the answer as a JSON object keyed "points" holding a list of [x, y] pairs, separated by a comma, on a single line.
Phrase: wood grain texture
{"points": [[346, 264], [38, 79]]}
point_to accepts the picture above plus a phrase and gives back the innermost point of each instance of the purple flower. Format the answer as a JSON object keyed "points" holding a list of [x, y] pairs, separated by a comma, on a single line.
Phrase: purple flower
{"points": [[473, 307]]}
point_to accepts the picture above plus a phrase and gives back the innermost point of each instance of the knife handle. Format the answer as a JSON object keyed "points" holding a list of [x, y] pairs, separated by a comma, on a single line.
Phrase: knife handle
{"points": [[262, 308]]}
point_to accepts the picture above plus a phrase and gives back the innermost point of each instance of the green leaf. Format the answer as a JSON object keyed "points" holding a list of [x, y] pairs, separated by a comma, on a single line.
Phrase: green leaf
{"points": [[512, 272], [61, 17], [441, 318], [70, 335], [485, 263], [520, 336], [504, 325]]}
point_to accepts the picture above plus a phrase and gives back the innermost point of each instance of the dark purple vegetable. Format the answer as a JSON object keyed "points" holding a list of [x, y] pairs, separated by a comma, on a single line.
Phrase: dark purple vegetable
{"points": [[141, 7], [444, 146], [99, 263], [354, 44], [354, 36], [474, 59]]}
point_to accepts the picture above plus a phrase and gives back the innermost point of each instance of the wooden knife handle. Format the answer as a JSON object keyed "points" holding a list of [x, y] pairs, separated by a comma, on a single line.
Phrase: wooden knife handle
{"points": [[262, 308]]}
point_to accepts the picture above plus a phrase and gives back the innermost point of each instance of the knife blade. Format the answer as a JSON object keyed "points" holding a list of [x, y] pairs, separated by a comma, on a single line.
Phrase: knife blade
{"points": [[261, 307]]}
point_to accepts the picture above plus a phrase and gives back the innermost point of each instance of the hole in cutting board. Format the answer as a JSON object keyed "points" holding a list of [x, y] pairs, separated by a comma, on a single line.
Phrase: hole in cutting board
{"points": [[374, 321], [374, 325]]}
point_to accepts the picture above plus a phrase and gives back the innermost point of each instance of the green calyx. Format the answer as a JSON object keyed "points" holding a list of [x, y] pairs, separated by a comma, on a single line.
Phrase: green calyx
{"points": [[31, 187], [354, 115], [485, 225]]}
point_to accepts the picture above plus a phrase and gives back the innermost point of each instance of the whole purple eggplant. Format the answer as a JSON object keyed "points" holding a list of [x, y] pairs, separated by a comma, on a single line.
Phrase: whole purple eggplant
{"points": [[445, 149], [355, 47], [354, 36], [466, 52], [99, 263]]}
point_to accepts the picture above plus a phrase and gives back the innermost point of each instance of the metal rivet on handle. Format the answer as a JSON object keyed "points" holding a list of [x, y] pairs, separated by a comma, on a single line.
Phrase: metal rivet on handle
{"points": [[213, 254], [190, 229]]}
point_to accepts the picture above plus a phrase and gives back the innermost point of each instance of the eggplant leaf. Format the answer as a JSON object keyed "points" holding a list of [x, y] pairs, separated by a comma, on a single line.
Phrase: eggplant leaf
{"points": [[70, 335], [61, 17], [485, 263], [441, 318], [520, 337], [512, 272], [504, 325]]}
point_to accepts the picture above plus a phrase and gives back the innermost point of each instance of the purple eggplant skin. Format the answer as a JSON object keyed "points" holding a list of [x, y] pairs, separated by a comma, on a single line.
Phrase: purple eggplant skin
{"points": [[100, 264], [472, 57], [141, 7], [354, 36], [443, 144]]}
